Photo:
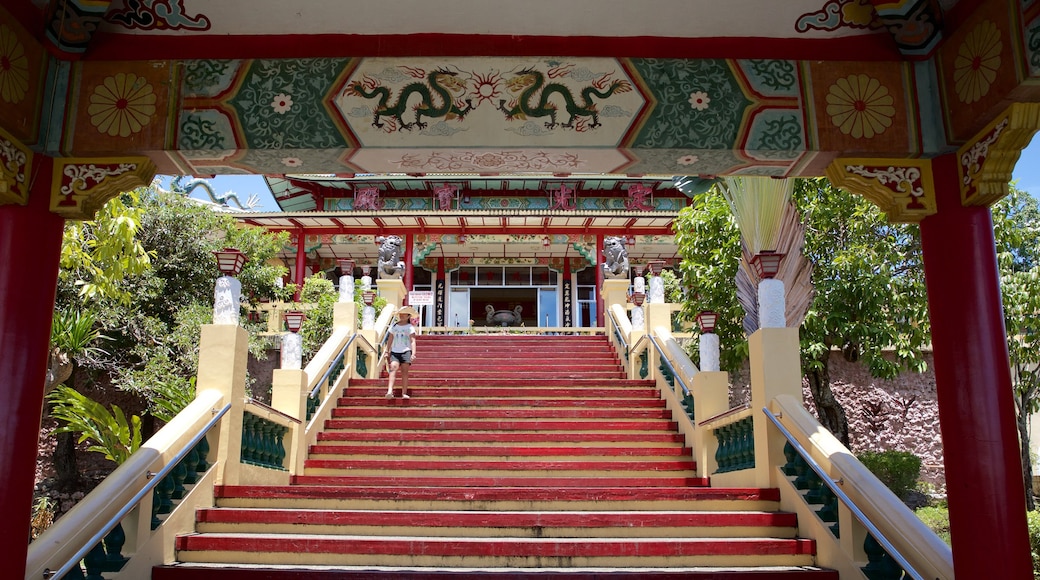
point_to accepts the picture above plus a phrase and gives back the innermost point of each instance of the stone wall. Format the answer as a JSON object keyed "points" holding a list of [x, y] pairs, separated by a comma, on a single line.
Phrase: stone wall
{"points": [[900, 414]]}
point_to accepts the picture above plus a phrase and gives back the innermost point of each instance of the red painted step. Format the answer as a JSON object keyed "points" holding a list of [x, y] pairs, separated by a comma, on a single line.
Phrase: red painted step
{"points": [[516, 457], [496, 451], [204, 572]]}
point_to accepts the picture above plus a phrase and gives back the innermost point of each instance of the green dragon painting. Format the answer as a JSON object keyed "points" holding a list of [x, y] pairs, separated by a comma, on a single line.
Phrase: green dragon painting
{"points": [[445, 84], [534, 94]]}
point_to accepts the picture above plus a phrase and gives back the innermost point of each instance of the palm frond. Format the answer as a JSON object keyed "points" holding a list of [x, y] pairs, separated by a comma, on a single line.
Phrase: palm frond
{"points": [[795, 272]]}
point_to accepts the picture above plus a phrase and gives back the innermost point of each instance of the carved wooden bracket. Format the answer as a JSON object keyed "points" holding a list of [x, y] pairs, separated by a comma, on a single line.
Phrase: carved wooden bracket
{"points": [[82, 185], [902, 188], [15, 162], [986, 162]]}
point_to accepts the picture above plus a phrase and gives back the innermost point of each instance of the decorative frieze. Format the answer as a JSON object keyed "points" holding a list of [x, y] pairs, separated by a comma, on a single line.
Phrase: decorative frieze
{"points": [[15, 162], [81, 186], [986, 161], [902, 188]]}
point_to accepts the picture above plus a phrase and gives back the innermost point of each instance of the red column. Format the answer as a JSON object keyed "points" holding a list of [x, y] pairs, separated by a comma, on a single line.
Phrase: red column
{"points": [[409, 248], [973, 380], [601, 319], [30, 246], [301, 262]]}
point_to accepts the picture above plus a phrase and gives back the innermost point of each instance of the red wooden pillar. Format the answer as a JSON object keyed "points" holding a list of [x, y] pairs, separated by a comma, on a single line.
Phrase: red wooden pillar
{"points": [[973, 380], [30, 247], [601, 319], [301, 261], [409, 268]]}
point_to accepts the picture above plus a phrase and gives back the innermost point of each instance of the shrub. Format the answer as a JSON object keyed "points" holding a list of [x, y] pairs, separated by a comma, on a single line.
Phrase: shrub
{"points": [[937, 518], [1033, 520], [898, 470]]}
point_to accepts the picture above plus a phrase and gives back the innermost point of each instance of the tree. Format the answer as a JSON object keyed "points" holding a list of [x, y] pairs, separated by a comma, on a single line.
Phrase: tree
{"points": [[709, 247], [1016, 226], [870, 300], [136, 285], [869, 287]]}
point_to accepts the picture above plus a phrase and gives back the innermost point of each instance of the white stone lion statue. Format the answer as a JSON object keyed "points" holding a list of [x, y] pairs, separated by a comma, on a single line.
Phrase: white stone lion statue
{"points": [[390, 265], [615, 264]]}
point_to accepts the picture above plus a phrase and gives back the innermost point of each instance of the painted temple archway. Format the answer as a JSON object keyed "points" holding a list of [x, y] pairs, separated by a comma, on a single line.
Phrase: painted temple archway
{"points": [[921, 106]]}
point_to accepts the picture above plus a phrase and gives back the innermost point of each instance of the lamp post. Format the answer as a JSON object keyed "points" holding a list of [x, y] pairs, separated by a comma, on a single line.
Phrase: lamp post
{"points": [[227, 292], [709, 341], [638, 316], [368, 313], [292, 342], [771, 303], [346, 279], [656, 292]]}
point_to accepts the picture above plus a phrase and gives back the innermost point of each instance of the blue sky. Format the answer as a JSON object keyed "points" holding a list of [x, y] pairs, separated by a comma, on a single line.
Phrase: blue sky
{"points": [[1027, 170], [1026, 174]]}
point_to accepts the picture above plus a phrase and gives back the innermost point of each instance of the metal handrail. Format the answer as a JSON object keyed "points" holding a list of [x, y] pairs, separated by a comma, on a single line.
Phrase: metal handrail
{"points": [[671, 367], [250, 401], [851, 505], [153, 480], [325, 377], [617, 327]]}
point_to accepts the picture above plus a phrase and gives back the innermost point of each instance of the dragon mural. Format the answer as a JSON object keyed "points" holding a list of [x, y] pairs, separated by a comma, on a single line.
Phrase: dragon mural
{"points": [[533, 98], [443, 83]]}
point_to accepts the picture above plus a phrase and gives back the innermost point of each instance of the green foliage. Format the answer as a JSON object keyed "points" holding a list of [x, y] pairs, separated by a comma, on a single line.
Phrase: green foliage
{"points": [[1033, 522], [937, 518], [111, 433], [1016, 227], [898, 470], [869, 281], [320, 292], [75, 333], [151, 315], [98, 256], [709, 244]]}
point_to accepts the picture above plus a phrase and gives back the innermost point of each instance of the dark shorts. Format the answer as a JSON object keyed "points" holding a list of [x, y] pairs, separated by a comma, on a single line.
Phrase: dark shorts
{"points": [[404, 358]]}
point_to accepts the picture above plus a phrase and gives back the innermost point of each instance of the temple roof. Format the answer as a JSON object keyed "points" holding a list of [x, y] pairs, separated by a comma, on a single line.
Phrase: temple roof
{"points": [[485, 218]]}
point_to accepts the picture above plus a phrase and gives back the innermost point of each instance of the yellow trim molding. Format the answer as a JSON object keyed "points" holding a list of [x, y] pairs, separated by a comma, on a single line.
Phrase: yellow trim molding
{"points": [[15, 163], [902, 188], [986, 162], [82, 185]]}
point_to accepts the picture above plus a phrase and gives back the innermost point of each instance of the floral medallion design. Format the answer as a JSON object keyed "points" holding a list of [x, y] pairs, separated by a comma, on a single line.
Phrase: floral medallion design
{"points": [[699, 100], [14, 68], [977, 62], [121, 105], [282, 103], [860, 106]]}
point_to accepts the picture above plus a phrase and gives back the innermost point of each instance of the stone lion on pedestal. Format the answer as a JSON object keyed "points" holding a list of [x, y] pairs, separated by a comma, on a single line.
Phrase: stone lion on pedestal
{"points": [[616, 258], [390, 265]]}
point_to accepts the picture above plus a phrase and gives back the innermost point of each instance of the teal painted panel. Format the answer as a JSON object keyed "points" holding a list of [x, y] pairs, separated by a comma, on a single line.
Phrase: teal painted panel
{"points": [[699, 104], [771, 78], [280, 103]]}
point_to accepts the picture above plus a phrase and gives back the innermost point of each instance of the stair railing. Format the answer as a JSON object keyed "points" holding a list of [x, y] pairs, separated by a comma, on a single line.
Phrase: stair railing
{"points": [[125, 499], [619, 328], [860, 526]]}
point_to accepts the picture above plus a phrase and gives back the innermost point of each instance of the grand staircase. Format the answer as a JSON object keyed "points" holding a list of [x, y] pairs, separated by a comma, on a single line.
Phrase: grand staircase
{"points": [[516, 456]]}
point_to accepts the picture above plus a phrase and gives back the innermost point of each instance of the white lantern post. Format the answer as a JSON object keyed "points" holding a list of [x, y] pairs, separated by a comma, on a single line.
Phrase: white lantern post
{"points": [[709, 341], [346, 279], [771, 302], [292, 342], [227, 292]]}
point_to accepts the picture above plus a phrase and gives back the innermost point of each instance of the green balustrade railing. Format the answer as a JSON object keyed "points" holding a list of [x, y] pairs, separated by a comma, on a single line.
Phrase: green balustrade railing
{"points": [[736, 446], [883, 561], [262, 442]]}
